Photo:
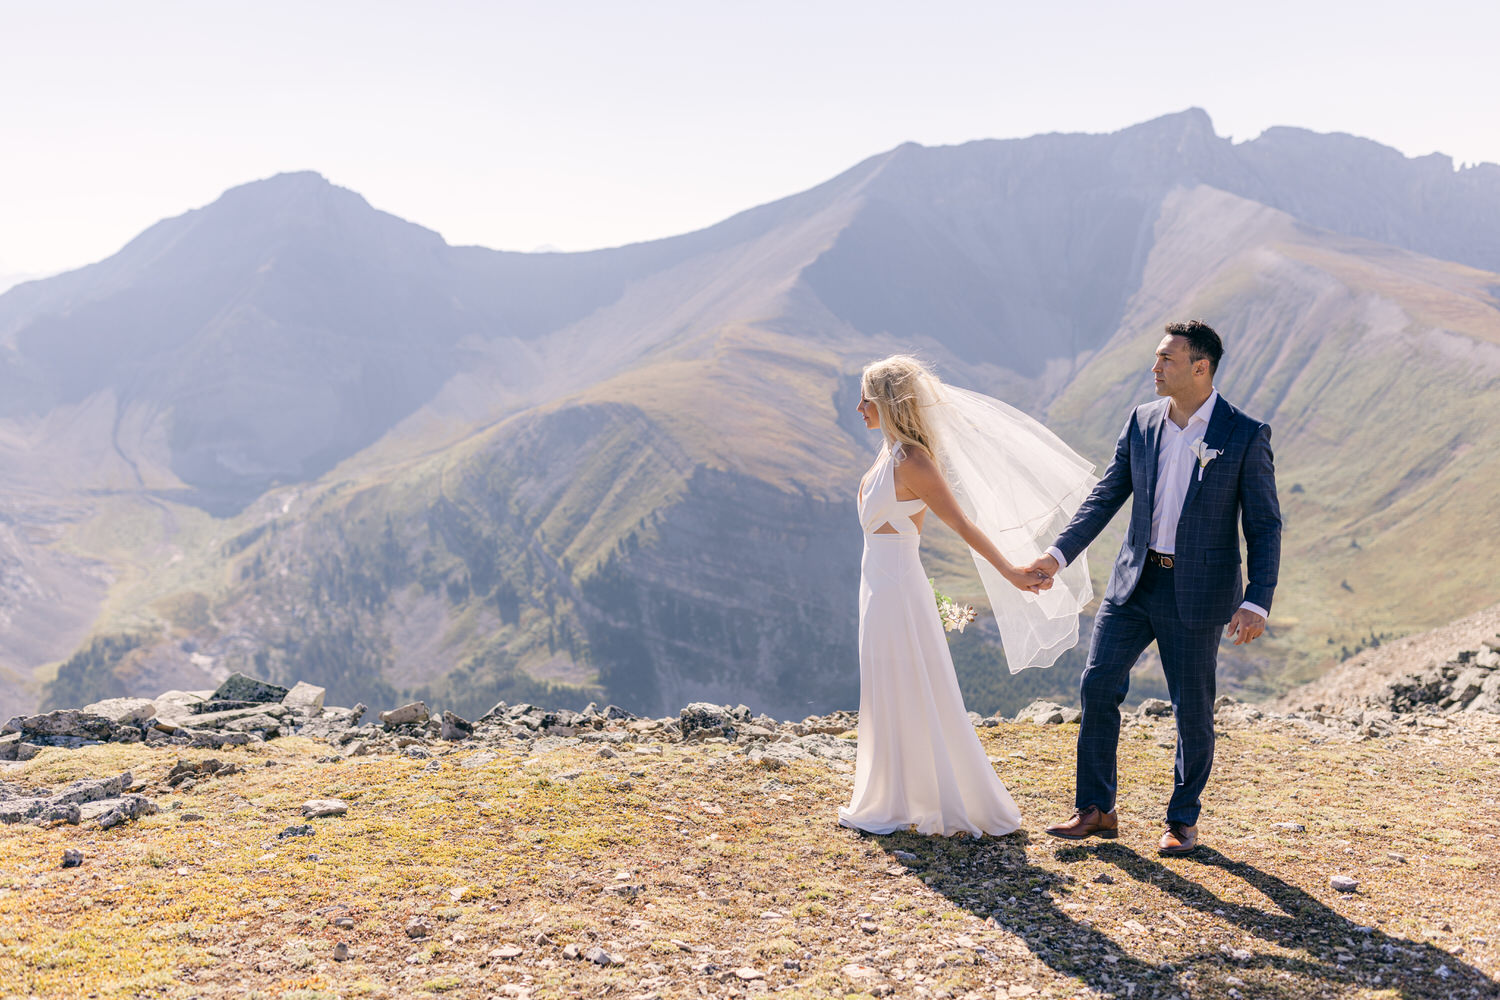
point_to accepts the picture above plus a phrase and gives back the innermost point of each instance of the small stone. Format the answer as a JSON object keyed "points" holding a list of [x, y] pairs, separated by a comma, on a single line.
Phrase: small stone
{"points": [[478, 760], [344, 923], [190, 818], [608, 753], [1154, 708], [319, 808], [1104, 878], [1343, 883], [299, 830], [1291, 827], [572, 951], [859, 973], [601, 957], [791, 965], [507, 952], [746, 973], [418, 927], [72, 858], [415, 713], [868, 927], [1400, 859], [340, 952]]}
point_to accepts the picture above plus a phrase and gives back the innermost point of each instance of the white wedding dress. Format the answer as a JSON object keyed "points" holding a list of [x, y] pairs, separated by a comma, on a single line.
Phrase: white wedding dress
{"points": [[919, 764]]}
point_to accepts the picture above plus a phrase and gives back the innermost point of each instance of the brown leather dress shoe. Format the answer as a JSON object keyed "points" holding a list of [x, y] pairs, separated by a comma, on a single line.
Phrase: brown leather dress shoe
{"points": [[1179, 839], [1089, 822]]}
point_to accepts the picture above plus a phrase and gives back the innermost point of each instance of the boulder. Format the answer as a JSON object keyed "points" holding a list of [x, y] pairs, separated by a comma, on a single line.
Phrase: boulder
{"points": [[68, 722], [1154, 708], [126, 711], [415, 714], [702, 720], [242, 688], [305, 698], [456, 727]]}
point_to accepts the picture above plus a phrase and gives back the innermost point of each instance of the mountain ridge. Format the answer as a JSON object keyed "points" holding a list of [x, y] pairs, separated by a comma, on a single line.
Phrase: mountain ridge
{"points": [[1040, 270]]}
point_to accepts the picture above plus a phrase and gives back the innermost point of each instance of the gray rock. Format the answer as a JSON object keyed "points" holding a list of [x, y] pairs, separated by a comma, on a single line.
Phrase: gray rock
{"points": [[67, 722], [318, 808], [242, 688], [297, 830], [220, 719], [1043, 713], [415, 713], [108, 813], [72, 858], [258, 723], [1343, 883], [702, 720], [418, 927], [1154, 708], [1291, 827], [126, 711], [340, 952], [601, 957], [572, 951], [305, 698], [208, 739], [456, 727]]}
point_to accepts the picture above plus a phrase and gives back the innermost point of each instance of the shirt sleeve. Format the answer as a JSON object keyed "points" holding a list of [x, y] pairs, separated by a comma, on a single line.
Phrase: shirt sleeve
{"points": [[1056, 553], [1257, 609]]}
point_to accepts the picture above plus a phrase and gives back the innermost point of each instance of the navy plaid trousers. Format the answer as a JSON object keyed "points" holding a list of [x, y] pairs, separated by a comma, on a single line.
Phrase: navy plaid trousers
{"points": [[1189, 656]]}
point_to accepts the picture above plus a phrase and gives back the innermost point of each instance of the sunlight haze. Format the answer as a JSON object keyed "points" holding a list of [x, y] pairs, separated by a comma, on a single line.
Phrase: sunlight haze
{"points": [[579, 125]]}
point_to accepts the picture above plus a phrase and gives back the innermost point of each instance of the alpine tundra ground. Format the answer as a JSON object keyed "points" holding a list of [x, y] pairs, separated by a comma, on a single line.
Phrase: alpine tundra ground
{"points": [[681, 870]]}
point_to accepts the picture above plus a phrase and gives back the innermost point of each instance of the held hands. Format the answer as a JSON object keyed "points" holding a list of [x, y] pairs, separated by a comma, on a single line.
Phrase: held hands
{"points": [[1245, 626], [1037, 577]]}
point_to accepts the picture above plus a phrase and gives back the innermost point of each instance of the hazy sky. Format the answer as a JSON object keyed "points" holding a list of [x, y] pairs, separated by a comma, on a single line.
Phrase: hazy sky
{"points": [[579, 124]]}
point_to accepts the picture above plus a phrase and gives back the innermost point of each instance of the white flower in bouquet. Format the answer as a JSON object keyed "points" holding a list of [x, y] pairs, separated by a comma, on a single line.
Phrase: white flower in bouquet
{"points": [[954, 616]]}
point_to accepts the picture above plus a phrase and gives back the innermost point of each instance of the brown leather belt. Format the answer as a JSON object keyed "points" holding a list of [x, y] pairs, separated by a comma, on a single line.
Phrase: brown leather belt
{"points": [[1155, 558]]}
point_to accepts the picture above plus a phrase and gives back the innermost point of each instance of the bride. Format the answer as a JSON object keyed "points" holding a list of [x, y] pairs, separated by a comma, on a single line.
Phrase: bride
{"points": [[999, 479]]}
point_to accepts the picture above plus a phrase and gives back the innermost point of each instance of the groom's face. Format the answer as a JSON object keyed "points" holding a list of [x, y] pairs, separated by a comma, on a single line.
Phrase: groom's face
{"points": [[1175, 371]]}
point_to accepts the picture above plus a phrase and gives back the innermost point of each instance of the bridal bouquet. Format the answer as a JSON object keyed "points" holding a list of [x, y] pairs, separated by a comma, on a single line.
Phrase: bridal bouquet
{"points": [[954, 616]]}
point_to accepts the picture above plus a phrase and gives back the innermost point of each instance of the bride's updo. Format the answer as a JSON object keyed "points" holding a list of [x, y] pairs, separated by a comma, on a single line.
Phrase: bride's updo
{"points": [[901, 387]]}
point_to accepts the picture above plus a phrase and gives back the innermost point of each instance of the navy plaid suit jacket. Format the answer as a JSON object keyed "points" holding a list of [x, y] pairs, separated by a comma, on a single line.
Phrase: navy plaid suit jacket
{"points": [[1239, 486]]}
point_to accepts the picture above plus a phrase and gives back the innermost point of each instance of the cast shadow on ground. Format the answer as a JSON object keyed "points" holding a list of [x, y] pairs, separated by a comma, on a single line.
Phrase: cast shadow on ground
{"points": [[1312, 947]]}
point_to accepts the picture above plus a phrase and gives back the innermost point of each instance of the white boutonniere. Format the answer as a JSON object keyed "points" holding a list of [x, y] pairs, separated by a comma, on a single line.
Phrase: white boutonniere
{"points": [[1205, 455]]}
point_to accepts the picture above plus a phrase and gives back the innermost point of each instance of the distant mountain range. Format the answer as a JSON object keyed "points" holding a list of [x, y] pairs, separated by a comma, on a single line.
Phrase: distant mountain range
{"points": [[290, 434]]}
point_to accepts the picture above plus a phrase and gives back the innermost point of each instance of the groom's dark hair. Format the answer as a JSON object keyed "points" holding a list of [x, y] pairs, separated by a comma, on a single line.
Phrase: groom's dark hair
{"points": [[1203, 342]]}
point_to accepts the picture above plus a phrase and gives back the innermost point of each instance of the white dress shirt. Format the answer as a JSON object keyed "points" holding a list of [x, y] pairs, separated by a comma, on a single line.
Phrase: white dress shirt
{"points": [[1175, 463]]}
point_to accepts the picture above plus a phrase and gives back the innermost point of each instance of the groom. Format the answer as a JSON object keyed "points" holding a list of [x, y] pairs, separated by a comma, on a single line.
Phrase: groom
{"points": [[1196, 466]]}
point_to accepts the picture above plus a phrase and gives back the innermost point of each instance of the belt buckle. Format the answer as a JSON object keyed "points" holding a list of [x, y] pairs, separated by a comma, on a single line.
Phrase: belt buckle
{"points": [[1166, 562]]}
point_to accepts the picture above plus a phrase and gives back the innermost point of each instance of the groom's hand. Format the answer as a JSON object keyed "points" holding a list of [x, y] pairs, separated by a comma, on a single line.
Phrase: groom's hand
{"points": [[1245, 626], [1046, 566]]}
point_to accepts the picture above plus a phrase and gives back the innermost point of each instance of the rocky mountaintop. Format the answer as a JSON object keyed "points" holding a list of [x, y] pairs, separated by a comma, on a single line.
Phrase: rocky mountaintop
{"points": [[283, 846]]}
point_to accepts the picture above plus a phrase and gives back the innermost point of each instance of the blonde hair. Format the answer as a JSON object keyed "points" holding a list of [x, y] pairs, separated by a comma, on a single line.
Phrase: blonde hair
{"points": [[901, 387]]}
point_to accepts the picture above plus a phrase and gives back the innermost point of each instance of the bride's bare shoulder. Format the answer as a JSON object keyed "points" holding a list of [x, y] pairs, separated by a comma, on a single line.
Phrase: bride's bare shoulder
{"points": [[916, 462]]}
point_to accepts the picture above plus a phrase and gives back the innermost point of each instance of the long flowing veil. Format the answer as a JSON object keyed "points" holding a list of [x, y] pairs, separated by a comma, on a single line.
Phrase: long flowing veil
{"points": [[1021, 484]]}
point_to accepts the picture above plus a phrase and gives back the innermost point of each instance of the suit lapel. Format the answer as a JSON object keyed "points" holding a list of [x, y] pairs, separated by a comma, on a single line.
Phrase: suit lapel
{"points": [[1216, 437], [1153, 447]]}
